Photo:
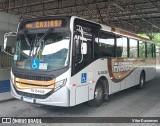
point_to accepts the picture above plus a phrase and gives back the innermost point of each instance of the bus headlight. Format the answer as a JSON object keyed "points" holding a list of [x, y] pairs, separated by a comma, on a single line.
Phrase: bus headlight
{"points": [[60, 84]]}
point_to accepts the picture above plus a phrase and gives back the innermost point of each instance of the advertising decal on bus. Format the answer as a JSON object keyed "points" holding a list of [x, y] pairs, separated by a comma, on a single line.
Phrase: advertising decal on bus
{"points": [[119, 69]]}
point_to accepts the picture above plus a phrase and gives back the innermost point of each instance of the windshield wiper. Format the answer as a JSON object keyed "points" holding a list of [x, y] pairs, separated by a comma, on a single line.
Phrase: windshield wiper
{"points": [[26, 38], [39, 43], [44, 35]]}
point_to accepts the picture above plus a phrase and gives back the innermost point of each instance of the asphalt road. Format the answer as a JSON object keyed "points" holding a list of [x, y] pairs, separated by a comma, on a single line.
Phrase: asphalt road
{"points": [[128, 103]]}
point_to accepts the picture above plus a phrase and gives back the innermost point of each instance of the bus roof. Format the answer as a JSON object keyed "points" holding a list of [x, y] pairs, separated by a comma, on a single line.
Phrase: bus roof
{"points": [[132, 35], [118, 31]]}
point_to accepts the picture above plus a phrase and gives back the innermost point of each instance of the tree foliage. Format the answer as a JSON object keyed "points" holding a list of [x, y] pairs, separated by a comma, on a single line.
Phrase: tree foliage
{"points": [[153, 36]]}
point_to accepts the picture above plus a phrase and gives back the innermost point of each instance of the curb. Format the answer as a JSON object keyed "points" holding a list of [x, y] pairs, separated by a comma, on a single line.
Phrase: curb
{"points": [[7, 100]]}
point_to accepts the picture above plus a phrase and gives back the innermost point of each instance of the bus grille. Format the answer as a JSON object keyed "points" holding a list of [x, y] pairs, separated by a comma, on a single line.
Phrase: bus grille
{"points": [[33, 77]]}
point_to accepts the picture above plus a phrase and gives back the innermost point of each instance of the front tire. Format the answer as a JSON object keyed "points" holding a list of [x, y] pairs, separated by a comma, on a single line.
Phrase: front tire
{"points": [[98, 95]]}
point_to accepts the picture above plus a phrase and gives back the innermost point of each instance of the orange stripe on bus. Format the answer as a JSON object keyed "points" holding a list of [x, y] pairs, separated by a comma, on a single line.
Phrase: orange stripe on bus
{"points": [[45, 83], [26, 86]]}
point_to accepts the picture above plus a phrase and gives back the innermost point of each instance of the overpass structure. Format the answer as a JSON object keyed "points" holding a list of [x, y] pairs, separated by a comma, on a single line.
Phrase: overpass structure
{"points": [[137, 16]]}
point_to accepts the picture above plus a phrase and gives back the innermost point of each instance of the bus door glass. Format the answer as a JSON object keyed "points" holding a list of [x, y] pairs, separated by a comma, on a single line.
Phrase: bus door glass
{"points": [[84, 34]]}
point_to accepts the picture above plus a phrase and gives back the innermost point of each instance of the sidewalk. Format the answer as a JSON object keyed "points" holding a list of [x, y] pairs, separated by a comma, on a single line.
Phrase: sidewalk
{"points": [[6, 96]]}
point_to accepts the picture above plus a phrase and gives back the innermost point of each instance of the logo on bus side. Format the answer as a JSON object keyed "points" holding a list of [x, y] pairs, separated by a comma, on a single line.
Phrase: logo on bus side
{"points": [[122, 66], [119, 69], [102, 72]]}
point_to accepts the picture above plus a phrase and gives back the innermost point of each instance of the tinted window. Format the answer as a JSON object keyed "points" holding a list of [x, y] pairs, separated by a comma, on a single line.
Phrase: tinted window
{"points": [[149, 50], [121, 50], [141, 49], [153, 50], [133, 48], [106, 44]]}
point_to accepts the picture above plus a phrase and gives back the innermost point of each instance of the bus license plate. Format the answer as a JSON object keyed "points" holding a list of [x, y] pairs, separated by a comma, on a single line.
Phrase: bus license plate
{"points": [[28, 99]]}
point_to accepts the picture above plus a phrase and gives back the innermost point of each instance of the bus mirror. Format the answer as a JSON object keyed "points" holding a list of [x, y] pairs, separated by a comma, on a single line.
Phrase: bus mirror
{"points": [[83, 48], [6, 35], [11, 40]]}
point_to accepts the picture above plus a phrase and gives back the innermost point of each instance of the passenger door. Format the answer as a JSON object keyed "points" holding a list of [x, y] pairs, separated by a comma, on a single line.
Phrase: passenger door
{"points": [[84, 32]]}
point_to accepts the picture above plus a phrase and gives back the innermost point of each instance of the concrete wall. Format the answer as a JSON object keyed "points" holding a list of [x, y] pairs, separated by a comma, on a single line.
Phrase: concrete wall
{"points": [[8, 22], [10, 19]]}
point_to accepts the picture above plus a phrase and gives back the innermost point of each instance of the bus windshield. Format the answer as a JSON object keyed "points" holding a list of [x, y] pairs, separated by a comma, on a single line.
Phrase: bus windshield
{"points": [[42, 51]]}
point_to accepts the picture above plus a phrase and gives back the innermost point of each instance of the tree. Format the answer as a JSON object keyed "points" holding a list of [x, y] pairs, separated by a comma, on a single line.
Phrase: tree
{"points": [[153, 36]]}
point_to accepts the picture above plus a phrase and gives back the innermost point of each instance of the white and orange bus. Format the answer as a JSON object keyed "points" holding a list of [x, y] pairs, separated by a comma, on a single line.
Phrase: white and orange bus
{"points": [[65, 61]]}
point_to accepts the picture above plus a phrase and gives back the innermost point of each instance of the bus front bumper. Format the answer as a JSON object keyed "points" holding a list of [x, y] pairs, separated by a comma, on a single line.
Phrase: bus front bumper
{"points": [[58, 98]]}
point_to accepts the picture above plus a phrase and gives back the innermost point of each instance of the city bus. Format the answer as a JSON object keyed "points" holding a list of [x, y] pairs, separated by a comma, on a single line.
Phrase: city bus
{"points": [[68, 60]]}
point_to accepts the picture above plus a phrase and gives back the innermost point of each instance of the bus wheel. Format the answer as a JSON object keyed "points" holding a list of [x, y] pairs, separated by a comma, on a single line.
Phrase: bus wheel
{"points": [[98, 95], [141, 81]]}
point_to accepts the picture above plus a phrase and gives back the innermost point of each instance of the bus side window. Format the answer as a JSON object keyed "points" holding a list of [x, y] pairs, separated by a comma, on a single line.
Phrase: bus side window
{"points": [[133, 48], [153, 50], [106, 44], [149, 50], [141, 49], [121, 48]]}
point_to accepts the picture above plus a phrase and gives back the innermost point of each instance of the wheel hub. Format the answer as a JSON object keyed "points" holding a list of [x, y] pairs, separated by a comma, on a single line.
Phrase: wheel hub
{"points": [[98, 93]]}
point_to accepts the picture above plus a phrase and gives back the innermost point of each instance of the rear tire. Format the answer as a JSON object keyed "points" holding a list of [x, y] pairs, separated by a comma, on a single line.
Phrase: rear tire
{"points": [[141, 81], [98, 95]]}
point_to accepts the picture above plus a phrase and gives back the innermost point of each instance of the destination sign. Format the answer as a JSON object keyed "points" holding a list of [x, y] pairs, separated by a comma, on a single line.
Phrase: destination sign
{"points": [[43, 24]]}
